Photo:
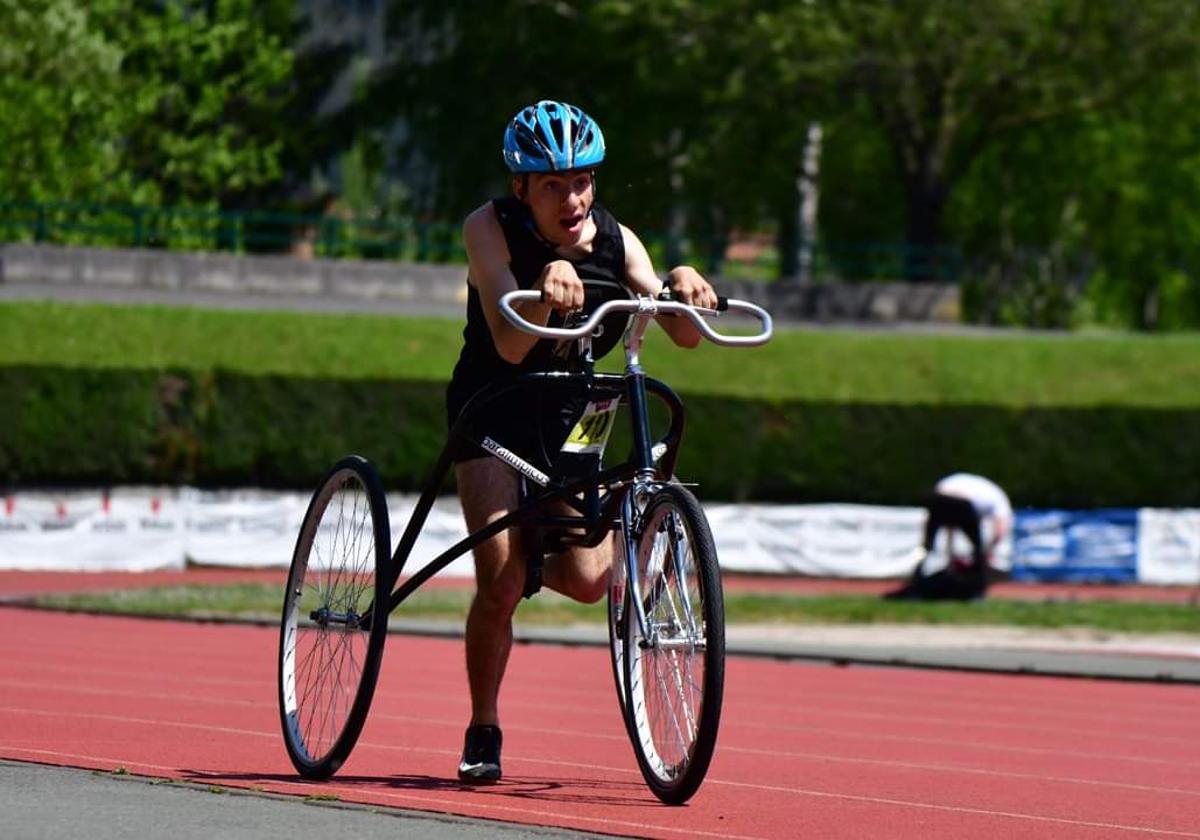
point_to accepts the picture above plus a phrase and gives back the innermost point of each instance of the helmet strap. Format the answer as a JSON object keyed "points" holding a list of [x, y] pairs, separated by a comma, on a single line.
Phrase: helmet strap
{"points": [[524, 190]]}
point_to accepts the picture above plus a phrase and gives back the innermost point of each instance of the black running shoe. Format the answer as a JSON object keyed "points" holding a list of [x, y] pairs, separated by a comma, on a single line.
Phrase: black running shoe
{"points": [[480, 763]]}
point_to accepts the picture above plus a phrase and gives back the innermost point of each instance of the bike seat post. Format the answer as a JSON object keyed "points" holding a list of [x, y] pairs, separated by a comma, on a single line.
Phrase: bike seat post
{"points": [[635, 334], [585, 354]]}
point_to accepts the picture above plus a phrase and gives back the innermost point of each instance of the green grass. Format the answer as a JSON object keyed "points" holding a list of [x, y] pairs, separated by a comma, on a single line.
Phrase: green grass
{"points": [[817, 365], [157, 337], [264, 601]]}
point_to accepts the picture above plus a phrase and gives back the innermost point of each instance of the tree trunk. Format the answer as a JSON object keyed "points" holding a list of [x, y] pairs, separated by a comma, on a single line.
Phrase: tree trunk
{"points": [[717, 242], [926, 201], [787, 241], [1148, 308], [810, 192], [676, 211], [798, 220]]}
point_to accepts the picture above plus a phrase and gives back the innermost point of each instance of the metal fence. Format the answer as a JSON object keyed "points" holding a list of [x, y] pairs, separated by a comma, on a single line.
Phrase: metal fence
{"points": [[339, 236], [251, 231]]}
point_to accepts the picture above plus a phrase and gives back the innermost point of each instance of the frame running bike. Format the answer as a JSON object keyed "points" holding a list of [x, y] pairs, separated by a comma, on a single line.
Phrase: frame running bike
{"points": [[665, 607]]}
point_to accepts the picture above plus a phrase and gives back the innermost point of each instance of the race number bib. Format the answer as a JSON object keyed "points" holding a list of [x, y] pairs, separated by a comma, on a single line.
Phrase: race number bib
{"points": [[590, 434]]}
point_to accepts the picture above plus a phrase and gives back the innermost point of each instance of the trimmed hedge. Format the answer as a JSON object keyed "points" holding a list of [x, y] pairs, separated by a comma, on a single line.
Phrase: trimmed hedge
{"points": [[66, 426]]}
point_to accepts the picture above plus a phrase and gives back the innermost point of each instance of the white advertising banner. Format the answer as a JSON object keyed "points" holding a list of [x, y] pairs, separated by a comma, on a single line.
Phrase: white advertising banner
{"points": [[139, 529], [127, 530], [241, 528], [861, 541], [1168, 550]]}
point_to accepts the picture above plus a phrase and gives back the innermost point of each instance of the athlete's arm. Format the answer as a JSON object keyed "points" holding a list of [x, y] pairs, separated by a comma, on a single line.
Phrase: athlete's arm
{"points": [[489, 272], [686, 285]]}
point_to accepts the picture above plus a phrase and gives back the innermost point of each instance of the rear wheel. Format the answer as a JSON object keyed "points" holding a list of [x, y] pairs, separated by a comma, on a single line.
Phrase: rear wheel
{"points": [[675, 671], [334, 618]]}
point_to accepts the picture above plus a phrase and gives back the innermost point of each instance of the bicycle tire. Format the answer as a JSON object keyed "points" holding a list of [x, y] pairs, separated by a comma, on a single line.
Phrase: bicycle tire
{"points": [[618, 609], [334, 620], [674, 712]]}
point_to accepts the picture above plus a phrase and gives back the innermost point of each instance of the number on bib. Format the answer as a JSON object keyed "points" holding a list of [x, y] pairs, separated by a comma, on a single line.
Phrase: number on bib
{"points": [[590, 434]]}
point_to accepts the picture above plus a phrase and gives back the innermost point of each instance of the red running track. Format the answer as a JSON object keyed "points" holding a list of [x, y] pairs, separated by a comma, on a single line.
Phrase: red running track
{"points": [[805, 750]]}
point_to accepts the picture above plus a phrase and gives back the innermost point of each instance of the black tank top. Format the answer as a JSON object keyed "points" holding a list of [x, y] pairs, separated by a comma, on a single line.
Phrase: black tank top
{"points": [[603, 273]]}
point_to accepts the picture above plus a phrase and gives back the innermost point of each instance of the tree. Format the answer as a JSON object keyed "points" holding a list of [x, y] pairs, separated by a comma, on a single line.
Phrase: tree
{"points": [[208, 81], [674, 84], [62, 112], [202, 103], [947, 80], [1143, 217]]}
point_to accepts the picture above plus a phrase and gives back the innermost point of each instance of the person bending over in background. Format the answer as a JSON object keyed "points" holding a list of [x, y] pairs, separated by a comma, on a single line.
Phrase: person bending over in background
{"points": [[979, 509], [550, 235]]}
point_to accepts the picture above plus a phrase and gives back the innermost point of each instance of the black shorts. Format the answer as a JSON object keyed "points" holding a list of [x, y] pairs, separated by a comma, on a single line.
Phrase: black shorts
{"points": [[953, 512], [530, 420]]}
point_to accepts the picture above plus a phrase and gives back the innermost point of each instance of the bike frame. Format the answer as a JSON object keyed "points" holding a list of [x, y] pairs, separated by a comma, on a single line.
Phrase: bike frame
{"points": [[601, 500]]}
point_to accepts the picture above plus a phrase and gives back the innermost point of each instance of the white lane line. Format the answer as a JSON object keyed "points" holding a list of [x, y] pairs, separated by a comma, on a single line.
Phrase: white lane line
{"points": [[611, 737]]}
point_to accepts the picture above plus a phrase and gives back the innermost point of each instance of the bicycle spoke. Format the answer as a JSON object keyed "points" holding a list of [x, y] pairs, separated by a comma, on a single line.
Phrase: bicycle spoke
{"points": [[327, 659], [674, 691]]}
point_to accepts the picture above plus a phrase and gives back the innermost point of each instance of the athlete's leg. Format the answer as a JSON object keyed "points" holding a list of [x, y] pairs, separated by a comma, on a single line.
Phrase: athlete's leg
{"points": [[959, 514], [487, 489], [977, 577], [943, 512], [581, 573]]}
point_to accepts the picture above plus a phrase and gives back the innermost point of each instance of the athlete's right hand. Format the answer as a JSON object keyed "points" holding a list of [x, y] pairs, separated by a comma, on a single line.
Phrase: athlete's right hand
{"points": [[560, 286]]}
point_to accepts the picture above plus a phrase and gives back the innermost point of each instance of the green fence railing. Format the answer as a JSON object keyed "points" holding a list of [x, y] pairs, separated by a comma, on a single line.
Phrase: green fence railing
{"points": [[259, 231], [847, 262], [249, 231]]}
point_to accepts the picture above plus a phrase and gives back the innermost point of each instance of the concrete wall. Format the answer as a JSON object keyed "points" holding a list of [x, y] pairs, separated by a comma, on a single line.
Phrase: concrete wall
{"points": [[117, 268]]}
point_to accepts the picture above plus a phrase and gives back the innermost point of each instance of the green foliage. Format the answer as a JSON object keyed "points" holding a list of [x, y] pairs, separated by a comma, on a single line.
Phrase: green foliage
{"points": [[230, 103], [90, 426], [948, 84], [1051, 141], [62, 109], [179, 103], [73, 426], [207, 82], [147, 395], [1041, 138]]}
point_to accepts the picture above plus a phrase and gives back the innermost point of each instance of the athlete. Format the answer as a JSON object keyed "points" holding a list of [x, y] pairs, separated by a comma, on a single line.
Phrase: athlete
{"points": [[551, 235], [981, 510]]}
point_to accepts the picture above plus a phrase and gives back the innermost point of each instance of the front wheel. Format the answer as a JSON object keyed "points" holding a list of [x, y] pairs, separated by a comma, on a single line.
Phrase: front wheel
{"points": [[618, 612], [675, 669], [334, 618]]}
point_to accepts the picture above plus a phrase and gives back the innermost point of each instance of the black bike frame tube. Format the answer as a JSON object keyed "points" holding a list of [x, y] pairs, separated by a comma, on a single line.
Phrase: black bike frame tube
{"points": [[618, 474], [635, 385], [433, 484], [674, 434]]}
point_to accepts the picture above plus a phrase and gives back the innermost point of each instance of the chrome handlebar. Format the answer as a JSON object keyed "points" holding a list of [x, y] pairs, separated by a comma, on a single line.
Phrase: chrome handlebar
{"points": [[647, 306]]}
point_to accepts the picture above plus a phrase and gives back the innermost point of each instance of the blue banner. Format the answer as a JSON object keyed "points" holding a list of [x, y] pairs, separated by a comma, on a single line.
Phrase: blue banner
{"points": [[1066, 545]]}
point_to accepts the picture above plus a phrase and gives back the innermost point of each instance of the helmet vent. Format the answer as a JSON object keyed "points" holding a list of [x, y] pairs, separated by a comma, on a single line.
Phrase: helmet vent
{"points": [[550, 137]]}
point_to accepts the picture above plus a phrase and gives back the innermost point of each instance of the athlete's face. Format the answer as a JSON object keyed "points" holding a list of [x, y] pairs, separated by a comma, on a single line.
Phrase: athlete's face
{"points": [[559, 201]]}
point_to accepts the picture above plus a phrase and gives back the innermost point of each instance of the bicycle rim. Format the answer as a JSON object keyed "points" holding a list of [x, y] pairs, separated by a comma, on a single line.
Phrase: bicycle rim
{"points": [[675, 673], [334, 619], [618, 609]]}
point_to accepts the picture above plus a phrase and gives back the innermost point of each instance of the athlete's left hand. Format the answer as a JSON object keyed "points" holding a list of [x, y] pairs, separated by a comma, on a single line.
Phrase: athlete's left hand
{"points": [[687, 286]]}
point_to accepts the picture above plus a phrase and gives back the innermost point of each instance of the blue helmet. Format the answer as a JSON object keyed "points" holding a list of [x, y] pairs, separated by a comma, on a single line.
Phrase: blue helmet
{"points": [[550, 137]]}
